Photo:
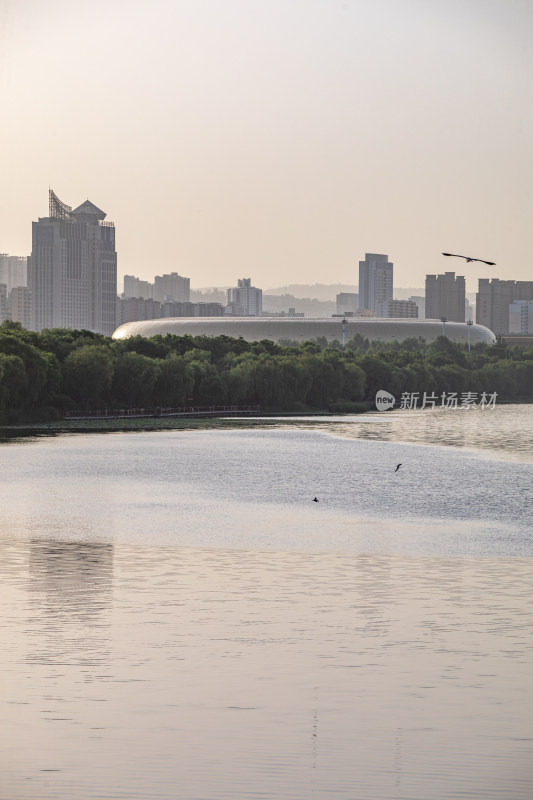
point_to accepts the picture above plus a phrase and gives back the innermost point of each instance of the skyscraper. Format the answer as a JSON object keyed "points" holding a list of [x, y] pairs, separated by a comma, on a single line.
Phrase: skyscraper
{"points": [[445, 297], [375, 281], [73, 269]]}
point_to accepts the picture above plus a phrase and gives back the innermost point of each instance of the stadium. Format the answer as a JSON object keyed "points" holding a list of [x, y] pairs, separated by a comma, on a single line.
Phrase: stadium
{"points": [[254, 329]]}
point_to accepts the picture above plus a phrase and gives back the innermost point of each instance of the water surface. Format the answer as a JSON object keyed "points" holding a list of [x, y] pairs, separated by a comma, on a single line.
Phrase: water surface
{"points": [[180, 620]]}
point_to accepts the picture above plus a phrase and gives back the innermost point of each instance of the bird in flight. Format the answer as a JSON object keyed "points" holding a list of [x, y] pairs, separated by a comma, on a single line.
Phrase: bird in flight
{"points": [[315, 499], [397, 468], [454, 255]]}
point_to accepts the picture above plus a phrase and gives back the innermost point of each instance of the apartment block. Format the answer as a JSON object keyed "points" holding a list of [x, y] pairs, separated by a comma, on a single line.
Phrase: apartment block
{"points": [[445, 297], [493, 299]]}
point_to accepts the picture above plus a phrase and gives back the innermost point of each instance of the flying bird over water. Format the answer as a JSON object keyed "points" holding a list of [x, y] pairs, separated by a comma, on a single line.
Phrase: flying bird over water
{"points": [[397, 468], [467, 258], [315, 499]]}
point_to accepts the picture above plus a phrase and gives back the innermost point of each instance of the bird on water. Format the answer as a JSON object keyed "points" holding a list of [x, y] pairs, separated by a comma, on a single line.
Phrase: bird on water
{"points": [[315, 499], [467, 258]]}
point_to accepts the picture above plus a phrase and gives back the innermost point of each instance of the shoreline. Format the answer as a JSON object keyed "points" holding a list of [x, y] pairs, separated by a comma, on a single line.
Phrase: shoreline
{"points": [[149, 425], [267, 420], [126, 424]]}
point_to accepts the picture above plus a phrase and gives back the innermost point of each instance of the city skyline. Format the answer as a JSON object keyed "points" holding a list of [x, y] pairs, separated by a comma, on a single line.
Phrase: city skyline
{"points": [[282, 141]]}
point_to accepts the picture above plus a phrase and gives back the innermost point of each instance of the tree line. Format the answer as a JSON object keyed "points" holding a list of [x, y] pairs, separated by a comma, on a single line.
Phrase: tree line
{"points": [[47, 374]]}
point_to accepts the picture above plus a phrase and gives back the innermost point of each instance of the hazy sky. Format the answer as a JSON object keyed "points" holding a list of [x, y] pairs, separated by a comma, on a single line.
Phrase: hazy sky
{"points": [[275, 139]]}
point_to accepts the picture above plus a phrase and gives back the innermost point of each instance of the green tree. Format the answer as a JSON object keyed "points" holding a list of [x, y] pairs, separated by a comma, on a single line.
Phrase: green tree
{"points": [[443, 351], [136, 380], [378, 374], [35, 363], [88, 374], [500, 377], [13, 382], [175, 382], [353, 383], [524, 378], [452, 378]]}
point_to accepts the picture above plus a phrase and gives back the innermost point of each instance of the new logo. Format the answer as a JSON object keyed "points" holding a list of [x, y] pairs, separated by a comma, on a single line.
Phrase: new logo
{"points": [[384, 400]]}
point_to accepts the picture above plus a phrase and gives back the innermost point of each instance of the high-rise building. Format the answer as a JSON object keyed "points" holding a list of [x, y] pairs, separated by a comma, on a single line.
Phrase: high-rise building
{"points": [[13, 271], [246, 297], [133, 309], [347, 303], [375, 281], [421, 304], [20, 302], [397, 309], [134, 287], [445, 297], [73, 269], [4, 311], [172, 309], [521, 317], [493, 299], [172, 287]]}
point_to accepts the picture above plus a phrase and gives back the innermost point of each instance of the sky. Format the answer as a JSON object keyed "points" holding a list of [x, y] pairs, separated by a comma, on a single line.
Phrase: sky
{"points": [[279, 140]]}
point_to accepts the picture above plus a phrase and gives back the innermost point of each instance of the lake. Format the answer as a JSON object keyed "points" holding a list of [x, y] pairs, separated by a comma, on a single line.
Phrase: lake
{"points": [[181, 620]]}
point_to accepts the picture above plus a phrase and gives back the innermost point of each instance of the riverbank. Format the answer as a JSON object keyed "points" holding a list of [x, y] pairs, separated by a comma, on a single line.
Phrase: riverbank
{"points": [[118, 426], [130, 424]]}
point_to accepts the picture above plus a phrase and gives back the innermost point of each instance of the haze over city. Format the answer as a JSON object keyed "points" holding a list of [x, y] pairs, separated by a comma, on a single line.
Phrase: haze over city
{"points": [[281, 140]]}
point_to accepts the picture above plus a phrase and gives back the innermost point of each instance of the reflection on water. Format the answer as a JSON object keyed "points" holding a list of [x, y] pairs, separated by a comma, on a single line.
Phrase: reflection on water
{"points": [[74, 577], [239, 674], [69, 590]]}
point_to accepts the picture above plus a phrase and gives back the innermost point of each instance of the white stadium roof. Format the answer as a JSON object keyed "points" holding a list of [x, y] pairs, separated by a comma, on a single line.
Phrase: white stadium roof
{"points": [[300, 329]]}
